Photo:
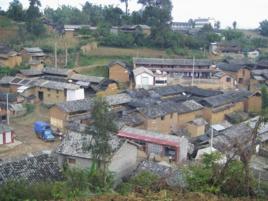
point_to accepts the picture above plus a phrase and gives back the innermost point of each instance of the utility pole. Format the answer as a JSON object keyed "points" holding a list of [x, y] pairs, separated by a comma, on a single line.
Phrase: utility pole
{"points": [[7, 111], [66, 56], [193, 71], [211, 139], [55, 55]]}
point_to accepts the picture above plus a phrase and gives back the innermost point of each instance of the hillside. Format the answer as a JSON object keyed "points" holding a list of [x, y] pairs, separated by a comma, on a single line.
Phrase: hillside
{"points": [[8, 29]]}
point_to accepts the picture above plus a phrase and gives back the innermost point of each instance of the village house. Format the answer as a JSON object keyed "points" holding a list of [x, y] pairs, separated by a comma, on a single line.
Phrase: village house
{"points": [[89, 83], [79, 111], [240, 72], [216, 107], [52, 92], [225, 47], [33, 54], [9, 57], [119, 72], [218, 81], [144, 78], [62, 114], [158, 144], [123, 161], [140, 28], [203, 68], [258, 79], [168, 116], [70, 30]]}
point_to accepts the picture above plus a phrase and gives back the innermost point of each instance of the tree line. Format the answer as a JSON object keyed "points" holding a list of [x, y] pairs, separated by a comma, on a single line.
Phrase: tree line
{"points": [[154, 13]]}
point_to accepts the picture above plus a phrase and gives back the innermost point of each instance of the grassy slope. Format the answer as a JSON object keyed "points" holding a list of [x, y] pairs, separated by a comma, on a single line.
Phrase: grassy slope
{"points": [[168, 196]]}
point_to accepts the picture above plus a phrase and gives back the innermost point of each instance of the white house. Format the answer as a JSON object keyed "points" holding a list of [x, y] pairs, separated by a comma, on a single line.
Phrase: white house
{"points": [[6, 135], [144, 78]]}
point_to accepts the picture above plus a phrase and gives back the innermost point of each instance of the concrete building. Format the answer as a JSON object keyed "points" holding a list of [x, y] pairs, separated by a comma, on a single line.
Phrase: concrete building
{"points": [[144, 78], [122, 162], [201, 68], [156, 143]]}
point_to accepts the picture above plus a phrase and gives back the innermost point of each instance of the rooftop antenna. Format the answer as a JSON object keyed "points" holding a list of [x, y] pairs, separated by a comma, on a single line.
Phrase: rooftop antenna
{"points": [[193, 71]]}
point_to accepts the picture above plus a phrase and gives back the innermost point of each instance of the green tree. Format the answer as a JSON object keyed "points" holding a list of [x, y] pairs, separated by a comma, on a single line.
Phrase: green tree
{"points": [[264, 28], [126, 5], [234, 25], [102, 128], [33, 22], [264, 97], [15, 11]]}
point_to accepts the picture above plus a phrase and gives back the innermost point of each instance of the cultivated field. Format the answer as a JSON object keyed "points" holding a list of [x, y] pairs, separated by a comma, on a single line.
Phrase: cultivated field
{"points": [[130, 52]]}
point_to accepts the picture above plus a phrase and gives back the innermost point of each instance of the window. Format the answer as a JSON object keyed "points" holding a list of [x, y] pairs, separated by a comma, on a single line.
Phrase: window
{"points": [[58, 92], [171, 115], [163, 118], [240, 80], [48, 89], [71, 161], [228, 79], [244, 72]]}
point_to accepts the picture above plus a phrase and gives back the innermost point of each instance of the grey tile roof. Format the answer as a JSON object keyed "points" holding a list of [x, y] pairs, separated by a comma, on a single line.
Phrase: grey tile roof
{"points": [[56, 71], [192, 105], [226, 98], [232, 67], [118, 99], [140, 70], [31, 72], [72, 145], [76, 106], [168, 107], [132, 119], [33, 49], [6, 79], [195, 91], [172, 62], [56, 85], [86, 78], [168, 90], [42, 167]]}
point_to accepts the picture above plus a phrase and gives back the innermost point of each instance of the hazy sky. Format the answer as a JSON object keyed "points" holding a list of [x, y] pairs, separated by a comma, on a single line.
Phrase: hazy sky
{"points": [[247, 13]]}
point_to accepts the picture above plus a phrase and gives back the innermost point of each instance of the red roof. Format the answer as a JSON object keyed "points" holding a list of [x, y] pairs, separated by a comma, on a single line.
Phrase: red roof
{"points": [[150, 139]]}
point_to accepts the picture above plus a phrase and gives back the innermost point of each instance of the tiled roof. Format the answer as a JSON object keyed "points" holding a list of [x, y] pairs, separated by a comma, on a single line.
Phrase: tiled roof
{"points": [[76, 106], [72, 145], [118, 99], [31, 72], [33, 49], [56, 85], [173, 62], [56, 71], [86, 78], [226, 98], [140, 70], [168, 90], [42, 167]]}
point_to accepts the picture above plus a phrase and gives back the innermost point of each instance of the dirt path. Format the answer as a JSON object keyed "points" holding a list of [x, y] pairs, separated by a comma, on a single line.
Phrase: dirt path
{"points": [[23, 127]]}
